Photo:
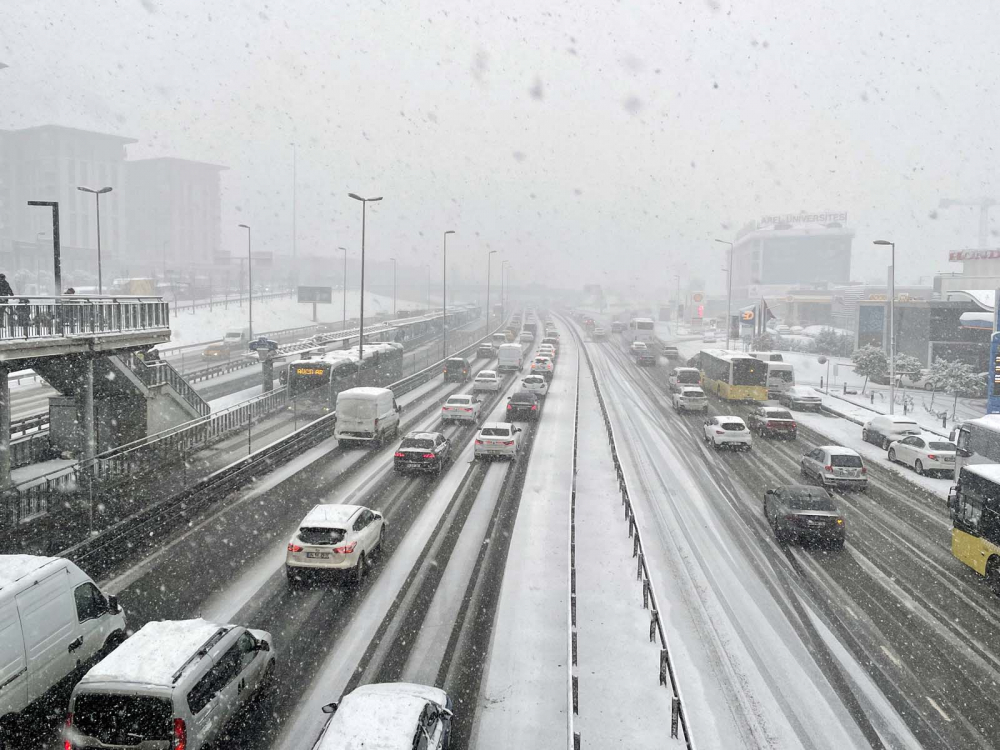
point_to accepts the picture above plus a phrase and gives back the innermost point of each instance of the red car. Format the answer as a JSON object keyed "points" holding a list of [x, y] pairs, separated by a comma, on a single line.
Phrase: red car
{"points": [[772, 421]]}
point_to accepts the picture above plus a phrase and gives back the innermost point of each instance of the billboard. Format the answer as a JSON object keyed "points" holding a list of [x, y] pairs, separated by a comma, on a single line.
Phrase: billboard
{"points": [[321, 294]]}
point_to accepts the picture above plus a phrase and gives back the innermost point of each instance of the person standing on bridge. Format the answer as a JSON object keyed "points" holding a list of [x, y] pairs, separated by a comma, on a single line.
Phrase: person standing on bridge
{"points": [[5, 290]]}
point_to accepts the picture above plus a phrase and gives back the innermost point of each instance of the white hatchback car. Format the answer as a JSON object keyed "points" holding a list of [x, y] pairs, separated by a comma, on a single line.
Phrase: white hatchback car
{"points": [[335, 539], [690, 398], [728, 430], [924, 453], [527, 337], [835, 466], [487, 380], [546, 350], [542, 366], [497, 439], [537, 384], [462, 407]]}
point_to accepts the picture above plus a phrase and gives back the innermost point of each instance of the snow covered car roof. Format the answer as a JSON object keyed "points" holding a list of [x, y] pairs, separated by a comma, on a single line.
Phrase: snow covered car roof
{"points": [[377, 719], [326, 515], [802, 391], [155, 653], [486, 374], [15, 567], [729, 418], [839, 450], [693, 389]]}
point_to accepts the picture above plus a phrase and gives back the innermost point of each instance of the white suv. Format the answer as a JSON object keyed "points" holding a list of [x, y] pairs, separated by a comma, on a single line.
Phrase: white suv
{"points": [[497, 439], [728, 430], [486, 380], [463, 407], [690, 398], [335, 539]]}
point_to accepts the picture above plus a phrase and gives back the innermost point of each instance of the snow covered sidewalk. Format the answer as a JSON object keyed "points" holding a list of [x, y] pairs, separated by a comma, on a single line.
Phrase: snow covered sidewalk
{"points": [[614, 654]]}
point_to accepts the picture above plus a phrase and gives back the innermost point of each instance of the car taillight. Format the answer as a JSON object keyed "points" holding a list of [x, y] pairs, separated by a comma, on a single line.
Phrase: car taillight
{"points": [[794, 425], [428, 455], [508, 442], [292, 547], [345, 549], [720, 432], [534, 407], [932, 457], [180, 734], [864, 470], [467, 409], [509, 407], [479, 442], [399, 454], [68, 744], [770, 424], [376, 421], [828, 468]]}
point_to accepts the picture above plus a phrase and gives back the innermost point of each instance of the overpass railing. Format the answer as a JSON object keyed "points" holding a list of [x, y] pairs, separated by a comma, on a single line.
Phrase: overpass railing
{"points": [[26, 318]]}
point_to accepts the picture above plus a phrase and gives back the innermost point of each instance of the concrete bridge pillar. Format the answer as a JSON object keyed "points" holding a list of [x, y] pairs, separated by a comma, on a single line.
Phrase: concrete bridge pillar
{"points": [[4, 428], [86, 397]]}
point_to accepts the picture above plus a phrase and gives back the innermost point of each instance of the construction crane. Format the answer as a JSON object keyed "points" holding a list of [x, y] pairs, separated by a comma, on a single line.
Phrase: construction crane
{"points": [[985, 204]]}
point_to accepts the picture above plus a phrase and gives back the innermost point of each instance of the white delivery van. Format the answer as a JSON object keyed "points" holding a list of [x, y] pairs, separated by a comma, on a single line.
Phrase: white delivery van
{"points": [[174, 684], [53, 621], [238, 338], [510, 357], [366, 415]]}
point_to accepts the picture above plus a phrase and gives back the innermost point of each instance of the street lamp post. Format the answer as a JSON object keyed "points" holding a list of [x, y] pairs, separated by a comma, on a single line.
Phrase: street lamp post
{"points": [[361, 322], [729, 303], [393, 287], [97, 196], [249, 277], [56, 261], [489, 264], [892, 326], [503, 298], [444, 293], [344, 290]]}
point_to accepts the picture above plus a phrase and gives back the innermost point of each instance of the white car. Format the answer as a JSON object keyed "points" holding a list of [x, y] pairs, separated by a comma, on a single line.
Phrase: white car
{"points": [[497, 439], [728, 431], [924, 453], [835, 466], [527, 336], [487, 380], [546, 350], [708, 337], [543, 366], [463, 407], [682, 376], [690, 398], [537, 384], [336, 539], [886, 429], [637, 346], [389, 715]]}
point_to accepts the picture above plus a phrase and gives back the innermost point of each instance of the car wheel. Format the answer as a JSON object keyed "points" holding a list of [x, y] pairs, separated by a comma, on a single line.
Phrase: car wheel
{"points": [[928, 387], [892, 455], [359, 571], [885, 444], [716, 445], [381, 539], [864, 436], [993, 574], [918, 467]]}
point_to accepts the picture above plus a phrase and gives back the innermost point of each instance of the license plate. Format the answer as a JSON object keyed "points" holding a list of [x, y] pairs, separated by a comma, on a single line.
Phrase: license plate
{"points": [[949, 459], [815, 524], [318, 555]]}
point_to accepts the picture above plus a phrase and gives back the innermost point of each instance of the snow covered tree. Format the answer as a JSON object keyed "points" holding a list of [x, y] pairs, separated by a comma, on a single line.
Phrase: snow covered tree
{"points": [[954, 378], [907, 365], [831, 343], [764, 343], [871, 362]]}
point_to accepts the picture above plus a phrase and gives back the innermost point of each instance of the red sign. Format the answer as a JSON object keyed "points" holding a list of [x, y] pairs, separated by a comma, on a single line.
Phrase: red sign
{"points": [[957, 256]]}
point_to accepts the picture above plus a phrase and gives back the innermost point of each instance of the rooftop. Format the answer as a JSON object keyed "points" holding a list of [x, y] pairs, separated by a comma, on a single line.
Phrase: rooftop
{"points": [[15, 567]]}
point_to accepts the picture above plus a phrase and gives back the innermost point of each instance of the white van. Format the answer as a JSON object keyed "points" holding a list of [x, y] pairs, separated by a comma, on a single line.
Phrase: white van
{"points": [[780, 377], [238, 338], [174, 684], [510, 357], [366, 415], [53, 620]]}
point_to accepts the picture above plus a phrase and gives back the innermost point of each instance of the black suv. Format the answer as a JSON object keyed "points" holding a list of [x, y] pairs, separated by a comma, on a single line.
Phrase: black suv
{"points": [[456, 368], [422, 451], [522, 405]]}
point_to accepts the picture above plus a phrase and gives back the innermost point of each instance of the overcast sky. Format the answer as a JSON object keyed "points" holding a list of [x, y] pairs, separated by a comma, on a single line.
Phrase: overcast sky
{"points": [[587, 141]]}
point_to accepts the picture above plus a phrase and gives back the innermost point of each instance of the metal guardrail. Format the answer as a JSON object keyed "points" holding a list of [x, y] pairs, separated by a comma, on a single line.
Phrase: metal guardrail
{"points": [[26, 318], [25, 424], [649, 599]]}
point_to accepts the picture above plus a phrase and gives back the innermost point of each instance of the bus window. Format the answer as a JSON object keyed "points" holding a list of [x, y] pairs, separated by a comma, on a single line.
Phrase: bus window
{"points": [[968, 511]]}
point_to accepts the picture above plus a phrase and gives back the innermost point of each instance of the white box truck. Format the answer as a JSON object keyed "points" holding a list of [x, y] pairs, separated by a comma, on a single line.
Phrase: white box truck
{"points": [[510, 358], [366, 416], [53, 621]]}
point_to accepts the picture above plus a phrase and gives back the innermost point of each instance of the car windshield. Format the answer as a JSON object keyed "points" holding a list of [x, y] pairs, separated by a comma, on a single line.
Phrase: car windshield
{"points": [[844, 460], [486, 376], [495, 432], [321, 535], [808, 500], [422, 443], [778, 415], [944, 447], [733, 426], [688, 376], [459, 401]]}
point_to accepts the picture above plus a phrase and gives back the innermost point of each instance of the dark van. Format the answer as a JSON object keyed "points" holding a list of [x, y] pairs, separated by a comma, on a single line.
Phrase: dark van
{"points": [[457, 369]]}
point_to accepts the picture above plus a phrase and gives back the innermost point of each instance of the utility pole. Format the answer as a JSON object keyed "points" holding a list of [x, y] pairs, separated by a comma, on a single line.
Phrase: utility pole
{"points": [[97, 195], [489, 264], [729, 307], [393, 287], [444, 294], [344, 290], [56, 261], [361, 326], [892, 326]]}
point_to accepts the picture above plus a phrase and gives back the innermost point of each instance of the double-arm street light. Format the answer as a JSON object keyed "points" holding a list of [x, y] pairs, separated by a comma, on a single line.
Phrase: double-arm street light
{"points": [[892, 326], [361, 325], [489, 264], [444, 292], [97, 196], [729, 297], [249, 277]]}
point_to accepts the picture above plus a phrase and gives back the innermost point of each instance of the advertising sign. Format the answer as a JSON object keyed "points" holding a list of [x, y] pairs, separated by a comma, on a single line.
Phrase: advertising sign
{"points": [[321, 294]]}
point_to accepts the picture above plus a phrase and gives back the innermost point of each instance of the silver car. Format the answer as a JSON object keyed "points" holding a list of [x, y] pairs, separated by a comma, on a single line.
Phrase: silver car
{"points": [[690, 399], [835, 466]]}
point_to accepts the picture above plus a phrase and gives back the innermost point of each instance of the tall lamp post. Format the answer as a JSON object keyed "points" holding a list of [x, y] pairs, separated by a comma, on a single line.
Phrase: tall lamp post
{"points": [[444, 293], [344, 295], [97, 196], [503, 298], [729, 303], [892, 326], [249, 277], [489, 264], [56, 260], [361, 324], [393, 287]]}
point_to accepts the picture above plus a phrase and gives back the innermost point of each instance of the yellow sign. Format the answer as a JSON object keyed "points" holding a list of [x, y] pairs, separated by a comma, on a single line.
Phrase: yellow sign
{"points": [[748, 315], [308, 371]]}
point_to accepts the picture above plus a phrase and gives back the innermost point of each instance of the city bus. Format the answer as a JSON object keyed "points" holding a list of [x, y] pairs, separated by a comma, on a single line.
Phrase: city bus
{"points": [[978, 442], [732, 376], [313, 383], [974, 504], [640, 329]]}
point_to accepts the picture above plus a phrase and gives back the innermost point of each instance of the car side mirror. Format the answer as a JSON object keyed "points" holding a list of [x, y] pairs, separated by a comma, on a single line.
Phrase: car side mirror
{"points": [[330, 708], [263, 646], [113, 605], [963, 452], [399, 409], [769, 492]]}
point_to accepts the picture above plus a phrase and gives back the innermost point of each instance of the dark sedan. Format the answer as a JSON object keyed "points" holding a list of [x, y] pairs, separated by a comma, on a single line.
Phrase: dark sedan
{"points": [[422, 451], [523, 405], [798, 512], [772, 421]]}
